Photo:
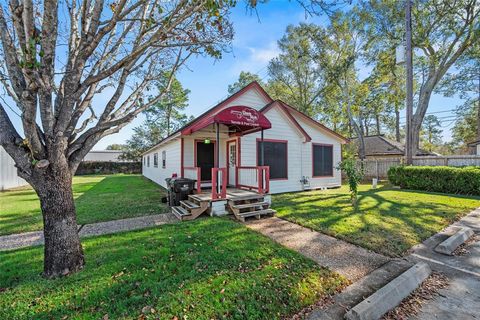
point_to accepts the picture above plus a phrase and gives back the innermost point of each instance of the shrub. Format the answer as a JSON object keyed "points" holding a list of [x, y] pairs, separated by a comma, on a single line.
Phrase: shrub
{"points": [[354, 176], [458, 180], [105, 167]]}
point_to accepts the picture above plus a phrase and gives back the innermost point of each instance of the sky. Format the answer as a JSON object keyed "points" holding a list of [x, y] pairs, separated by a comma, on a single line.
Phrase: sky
{"points": [[254, 45]]}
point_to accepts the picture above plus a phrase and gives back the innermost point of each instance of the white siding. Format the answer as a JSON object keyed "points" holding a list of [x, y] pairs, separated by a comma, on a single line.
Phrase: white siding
{"points": [[159, 174], [8, 172], [322, 137], [281, 130], [251, 98]]}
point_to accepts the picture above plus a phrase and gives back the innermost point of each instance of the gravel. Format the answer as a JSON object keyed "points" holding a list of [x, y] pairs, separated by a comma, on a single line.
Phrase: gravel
{"points": [[16, 241]]}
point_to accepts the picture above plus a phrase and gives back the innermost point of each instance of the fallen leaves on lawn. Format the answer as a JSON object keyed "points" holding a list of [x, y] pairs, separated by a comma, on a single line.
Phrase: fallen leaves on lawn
{"points": [[413, 303]]}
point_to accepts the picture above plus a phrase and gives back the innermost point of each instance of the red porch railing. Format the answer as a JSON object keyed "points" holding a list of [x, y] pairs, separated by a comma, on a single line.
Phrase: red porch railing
{"points": [[254, 178], [194, 173], [219, 192]]}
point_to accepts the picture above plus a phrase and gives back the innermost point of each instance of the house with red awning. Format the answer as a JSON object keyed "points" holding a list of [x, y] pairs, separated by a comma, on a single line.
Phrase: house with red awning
{"points": [[248, 143]]}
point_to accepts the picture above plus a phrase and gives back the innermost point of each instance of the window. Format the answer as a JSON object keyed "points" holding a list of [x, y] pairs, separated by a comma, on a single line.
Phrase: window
{"points": [[155, 160], [322, 158], [148, 161], [144, 160], [275, 156], [164, 159]]}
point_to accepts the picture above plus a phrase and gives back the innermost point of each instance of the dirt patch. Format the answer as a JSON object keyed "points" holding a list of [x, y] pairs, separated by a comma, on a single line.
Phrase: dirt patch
{"points": [[463, 248], [413, 303]]}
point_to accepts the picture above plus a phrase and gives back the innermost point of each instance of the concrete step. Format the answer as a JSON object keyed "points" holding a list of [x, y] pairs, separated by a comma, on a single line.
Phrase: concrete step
{"points": [[180, 212]]}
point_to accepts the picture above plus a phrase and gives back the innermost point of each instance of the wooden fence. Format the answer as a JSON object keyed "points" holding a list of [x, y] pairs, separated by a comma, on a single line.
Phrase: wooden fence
{"points": [[378, 168]]}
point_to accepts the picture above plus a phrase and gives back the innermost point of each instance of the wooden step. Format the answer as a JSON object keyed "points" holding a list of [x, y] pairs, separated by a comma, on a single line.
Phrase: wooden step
{"points": [[258, 198], [189, 204], [256, 214], [180, 212], [250, 205], [196, 199]]}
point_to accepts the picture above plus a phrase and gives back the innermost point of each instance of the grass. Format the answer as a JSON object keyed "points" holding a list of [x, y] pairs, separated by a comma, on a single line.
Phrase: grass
{"points": [[388, 221], [97, 198], [212, 268]]}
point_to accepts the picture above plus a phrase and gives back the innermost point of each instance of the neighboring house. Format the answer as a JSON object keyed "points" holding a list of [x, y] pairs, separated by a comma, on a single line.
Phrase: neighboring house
{"points": [[379, 146], [474, 147], [8, 172], [104, 156], [298, 152]]}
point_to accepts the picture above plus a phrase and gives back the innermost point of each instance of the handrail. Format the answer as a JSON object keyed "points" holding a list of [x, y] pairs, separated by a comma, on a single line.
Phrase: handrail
{"points": [[198, 174], [222, 193], [258, 178]]}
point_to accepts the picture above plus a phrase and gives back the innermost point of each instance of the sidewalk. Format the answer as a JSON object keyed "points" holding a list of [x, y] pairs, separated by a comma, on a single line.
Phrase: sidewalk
{"points": [[20, 240], [345, 258]]}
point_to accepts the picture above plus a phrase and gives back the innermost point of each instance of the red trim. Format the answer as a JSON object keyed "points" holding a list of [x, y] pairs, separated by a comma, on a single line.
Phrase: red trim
{"points": [[274, 140], [195, 154], [239, 158], [313, 168], [227, 160], [182, 146], [313, 121], [223, 191], [290, 117]]}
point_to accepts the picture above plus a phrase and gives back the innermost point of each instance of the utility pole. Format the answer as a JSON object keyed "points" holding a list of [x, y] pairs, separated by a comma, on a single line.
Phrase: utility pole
{"points": [[409, 90]]}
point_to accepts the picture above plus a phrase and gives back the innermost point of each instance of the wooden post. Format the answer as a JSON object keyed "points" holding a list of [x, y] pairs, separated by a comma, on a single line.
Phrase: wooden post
{"points": [[217, 133]]}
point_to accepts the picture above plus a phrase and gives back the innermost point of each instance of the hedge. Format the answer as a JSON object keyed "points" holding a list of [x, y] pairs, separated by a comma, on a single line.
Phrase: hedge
{"points": [[458, 180], [104, 167]]}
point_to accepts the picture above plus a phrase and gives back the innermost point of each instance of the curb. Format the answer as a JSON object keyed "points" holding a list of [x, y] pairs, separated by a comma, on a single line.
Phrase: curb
{"points": [[448, 246], [390, 296]]}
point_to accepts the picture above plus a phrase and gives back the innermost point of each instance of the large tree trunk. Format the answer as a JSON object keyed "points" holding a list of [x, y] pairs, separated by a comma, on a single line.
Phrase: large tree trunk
{"points": [[63, 251]]}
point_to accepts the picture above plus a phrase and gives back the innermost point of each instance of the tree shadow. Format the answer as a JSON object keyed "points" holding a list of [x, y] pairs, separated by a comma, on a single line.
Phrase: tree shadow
{"points": [[210, 268]]}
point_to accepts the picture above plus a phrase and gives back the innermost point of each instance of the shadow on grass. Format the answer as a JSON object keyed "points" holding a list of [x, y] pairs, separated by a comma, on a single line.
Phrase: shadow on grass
{"points": [[388, 221], [211, 268]]}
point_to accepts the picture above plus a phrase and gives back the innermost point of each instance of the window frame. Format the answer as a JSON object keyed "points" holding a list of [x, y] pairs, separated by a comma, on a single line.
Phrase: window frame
{"points": [[155, 160], [286, 155], [164, 159], [313, 159], [148, 161]]}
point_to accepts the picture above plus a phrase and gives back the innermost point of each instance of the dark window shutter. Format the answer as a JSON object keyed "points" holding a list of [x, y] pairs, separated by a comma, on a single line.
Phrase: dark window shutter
{"points": [[275, 156], [322, 160]]}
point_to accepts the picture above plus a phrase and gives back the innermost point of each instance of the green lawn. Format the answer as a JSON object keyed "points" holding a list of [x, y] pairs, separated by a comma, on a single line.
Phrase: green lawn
{"points": [[389, 221], [97, 198], [211, 268]]}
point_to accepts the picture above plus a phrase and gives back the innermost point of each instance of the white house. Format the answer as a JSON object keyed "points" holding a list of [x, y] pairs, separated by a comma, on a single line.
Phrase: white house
{"points": [[226, 142], [8, 172]]}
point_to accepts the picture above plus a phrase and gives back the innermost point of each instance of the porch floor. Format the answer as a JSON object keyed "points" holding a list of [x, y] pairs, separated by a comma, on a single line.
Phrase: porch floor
{"points": [[232, 193]]}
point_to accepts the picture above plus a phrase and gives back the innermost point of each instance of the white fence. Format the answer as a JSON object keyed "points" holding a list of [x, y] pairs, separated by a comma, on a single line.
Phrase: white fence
{"points": [[8, 172], [378, 168]]}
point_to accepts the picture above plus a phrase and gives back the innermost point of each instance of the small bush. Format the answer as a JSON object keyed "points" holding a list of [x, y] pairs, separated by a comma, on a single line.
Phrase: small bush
{"points": [[105, 167], [464, 180]]}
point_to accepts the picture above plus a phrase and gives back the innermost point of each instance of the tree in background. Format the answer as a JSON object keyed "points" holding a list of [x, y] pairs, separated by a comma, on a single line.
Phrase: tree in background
{"points": [[52, 69], [465, 83], [442, 32], [162, 119], [116, 146], [295, 76], [431, 135], [244, 79]]}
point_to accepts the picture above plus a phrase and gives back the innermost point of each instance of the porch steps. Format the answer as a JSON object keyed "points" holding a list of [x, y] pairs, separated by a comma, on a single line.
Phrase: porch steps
{"points": [[190, 209], [250, 206]]}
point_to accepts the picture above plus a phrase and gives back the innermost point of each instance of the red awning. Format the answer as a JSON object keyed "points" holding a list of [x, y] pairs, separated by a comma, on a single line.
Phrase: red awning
{"points": [[237, 118]]}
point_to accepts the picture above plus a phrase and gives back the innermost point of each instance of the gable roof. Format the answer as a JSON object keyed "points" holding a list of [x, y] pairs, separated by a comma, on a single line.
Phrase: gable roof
{"points": [[379, 145], [251, 85], [315, 123], [289, 116]]}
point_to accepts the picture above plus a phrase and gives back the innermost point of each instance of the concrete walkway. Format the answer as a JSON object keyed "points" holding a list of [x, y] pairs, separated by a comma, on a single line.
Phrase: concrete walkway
{"points": [[461, 298], [347, 259], [16, 241]]}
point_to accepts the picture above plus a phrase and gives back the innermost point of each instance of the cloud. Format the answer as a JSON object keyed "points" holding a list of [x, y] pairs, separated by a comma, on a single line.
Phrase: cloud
{"points": [[254, 59]]}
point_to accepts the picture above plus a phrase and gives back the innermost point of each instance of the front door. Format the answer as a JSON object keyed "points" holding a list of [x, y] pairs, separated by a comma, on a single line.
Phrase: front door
{"points": [[232, 161], [205, 159]]}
